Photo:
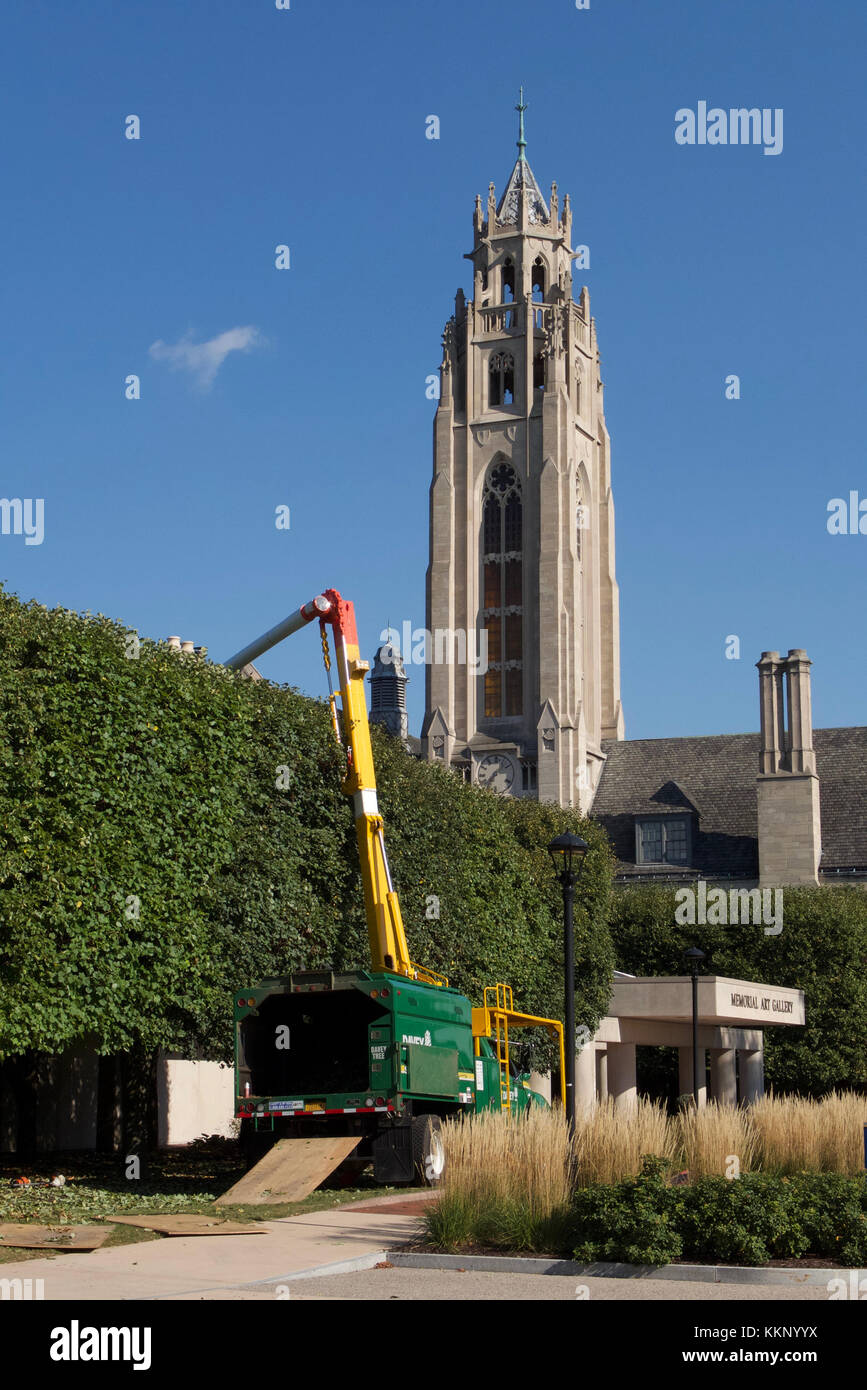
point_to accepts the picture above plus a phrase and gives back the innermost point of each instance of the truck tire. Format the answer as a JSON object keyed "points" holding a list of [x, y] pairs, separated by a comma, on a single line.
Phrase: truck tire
{"points": [[428, 1151]]}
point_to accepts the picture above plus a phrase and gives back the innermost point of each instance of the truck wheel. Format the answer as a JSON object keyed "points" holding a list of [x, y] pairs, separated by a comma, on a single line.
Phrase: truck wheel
{"points": [[428, 1150]]}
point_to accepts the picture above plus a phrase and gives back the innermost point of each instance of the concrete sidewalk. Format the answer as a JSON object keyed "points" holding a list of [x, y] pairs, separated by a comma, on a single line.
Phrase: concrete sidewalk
{"points": [[183, 1266]]}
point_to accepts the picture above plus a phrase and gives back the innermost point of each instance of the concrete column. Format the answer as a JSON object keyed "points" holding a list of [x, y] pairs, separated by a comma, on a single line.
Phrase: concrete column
{"points": [[752, 1069], [622, 1084], [585, 1079], [602, 1074], [723, 1075], [685, 1073]]}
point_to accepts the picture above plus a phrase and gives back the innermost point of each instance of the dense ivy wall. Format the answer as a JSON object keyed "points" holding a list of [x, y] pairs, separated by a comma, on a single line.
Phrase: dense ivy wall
{"points": [[168, 829]]}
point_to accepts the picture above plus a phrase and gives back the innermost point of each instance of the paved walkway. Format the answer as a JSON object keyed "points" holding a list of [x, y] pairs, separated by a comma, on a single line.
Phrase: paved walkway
{"points": [[182, 1266]]}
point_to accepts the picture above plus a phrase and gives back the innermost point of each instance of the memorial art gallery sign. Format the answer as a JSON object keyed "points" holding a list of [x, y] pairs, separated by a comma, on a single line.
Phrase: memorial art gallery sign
{"points": [[720, 1000], [656, 1011]]}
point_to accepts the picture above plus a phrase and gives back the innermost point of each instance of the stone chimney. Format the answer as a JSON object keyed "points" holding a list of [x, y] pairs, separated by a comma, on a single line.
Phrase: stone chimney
{"points": [[787, 789]]}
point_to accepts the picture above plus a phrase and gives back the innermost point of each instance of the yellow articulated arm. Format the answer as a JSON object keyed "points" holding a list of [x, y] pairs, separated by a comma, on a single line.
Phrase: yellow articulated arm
{"points": [[388, 948]]}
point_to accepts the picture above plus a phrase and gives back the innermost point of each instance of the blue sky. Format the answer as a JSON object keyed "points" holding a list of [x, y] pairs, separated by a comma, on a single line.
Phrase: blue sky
{"points": [[306, 127]]}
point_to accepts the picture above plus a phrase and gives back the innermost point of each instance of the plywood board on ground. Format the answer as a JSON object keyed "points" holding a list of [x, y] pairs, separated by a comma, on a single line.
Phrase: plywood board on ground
{"points": [[290, 1171], [29, 1236], [190, 1224]]}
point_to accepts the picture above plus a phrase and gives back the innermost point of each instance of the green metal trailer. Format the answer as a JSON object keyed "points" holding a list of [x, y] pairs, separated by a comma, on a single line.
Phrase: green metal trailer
{"points": [[373, 1054]]}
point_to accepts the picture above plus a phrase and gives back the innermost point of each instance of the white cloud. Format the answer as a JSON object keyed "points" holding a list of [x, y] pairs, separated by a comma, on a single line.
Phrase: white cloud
{"points": [[204, 360]]}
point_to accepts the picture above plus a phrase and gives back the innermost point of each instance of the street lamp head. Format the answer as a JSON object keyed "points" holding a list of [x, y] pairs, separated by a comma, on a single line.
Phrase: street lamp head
{"points": [[694, 955], [567, 852]]}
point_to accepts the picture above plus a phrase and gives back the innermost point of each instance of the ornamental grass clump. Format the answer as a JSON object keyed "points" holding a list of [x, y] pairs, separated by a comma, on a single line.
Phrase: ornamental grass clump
{"points": [[611, 1143], [716, 1141], [508, 1183], [797, 1134]]}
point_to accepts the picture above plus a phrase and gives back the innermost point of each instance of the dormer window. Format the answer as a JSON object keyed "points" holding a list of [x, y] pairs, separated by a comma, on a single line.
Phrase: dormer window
{"points": [[662, 840]]}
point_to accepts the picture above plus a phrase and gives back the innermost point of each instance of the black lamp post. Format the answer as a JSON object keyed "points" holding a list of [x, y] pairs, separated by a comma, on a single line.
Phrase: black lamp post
{"points": [[567, 855], [693, 955]]}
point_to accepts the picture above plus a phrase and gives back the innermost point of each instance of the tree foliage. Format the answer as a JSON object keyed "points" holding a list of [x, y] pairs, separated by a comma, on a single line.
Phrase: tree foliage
{"points": [[150, 862], [822, 949]]}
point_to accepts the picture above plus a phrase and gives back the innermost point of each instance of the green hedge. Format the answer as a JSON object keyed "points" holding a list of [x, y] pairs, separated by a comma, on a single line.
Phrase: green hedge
{"points": [[149, 862], [822, 949]]}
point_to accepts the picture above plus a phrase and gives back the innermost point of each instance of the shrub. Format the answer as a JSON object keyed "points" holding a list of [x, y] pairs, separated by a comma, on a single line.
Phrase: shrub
{"points": [[632, 1221], [833, 1211], [747, 1221]]}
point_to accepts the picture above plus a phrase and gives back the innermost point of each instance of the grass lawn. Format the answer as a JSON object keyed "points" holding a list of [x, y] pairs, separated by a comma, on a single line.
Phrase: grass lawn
{"points": [[182, 1180]]}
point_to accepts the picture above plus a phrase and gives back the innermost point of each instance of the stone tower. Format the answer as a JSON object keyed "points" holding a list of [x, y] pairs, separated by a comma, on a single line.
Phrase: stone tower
{"points": [[388, 681], [523, 683]]}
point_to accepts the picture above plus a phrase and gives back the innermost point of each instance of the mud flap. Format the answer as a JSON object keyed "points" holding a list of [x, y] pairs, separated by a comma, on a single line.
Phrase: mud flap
{"points": [[290, 1171], [392, 1156]]}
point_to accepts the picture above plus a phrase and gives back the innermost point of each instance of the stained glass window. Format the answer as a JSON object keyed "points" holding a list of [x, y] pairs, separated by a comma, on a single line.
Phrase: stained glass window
{"points": [[502, 587]]}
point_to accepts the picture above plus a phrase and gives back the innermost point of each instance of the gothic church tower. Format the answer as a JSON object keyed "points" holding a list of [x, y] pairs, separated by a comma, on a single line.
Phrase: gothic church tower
{"points": [[521, 516]]}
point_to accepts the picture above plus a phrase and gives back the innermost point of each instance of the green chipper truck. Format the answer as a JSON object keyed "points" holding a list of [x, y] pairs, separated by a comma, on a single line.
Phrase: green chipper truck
{"points": [[358, 1067]]}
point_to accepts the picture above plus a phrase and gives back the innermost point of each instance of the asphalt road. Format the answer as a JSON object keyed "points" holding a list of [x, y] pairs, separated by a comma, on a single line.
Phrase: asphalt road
{"points": [[409, 1285]]}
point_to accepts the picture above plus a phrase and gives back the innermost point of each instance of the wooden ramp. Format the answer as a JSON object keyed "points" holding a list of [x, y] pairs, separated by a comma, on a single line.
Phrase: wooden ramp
{"points": [[25, 1236], [289, 1172], [189, 1224]]}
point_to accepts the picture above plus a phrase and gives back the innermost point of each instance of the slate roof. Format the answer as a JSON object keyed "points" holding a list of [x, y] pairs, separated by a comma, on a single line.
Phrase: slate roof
{"points": [[522, 177], [713, 779]]}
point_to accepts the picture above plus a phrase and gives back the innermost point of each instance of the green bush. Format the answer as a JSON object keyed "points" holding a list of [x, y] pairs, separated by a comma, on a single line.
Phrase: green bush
{"points": [[745, 1221], [833, 1211], [632, 1221]]}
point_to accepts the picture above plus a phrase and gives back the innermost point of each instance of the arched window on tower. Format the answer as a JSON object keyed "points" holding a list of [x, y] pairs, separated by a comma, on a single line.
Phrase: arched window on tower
{"points": [[502, 612], [501, 379], [582, 522], [539, 372], [508, 281], [538, 280]]}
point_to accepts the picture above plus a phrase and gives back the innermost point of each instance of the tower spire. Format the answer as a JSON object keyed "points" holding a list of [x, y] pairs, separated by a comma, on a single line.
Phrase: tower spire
{"points": [[522, 143]]}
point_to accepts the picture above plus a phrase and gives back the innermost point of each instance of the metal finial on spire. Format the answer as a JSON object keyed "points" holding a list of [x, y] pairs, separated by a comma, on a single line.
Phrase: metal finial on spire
{"points": [[522, 144]]}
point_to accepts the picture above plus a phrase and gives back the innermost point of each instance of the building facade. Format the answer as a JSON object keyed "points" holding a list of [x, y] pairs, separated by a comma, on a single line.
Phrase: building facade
{"points": [[522, 599]]}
